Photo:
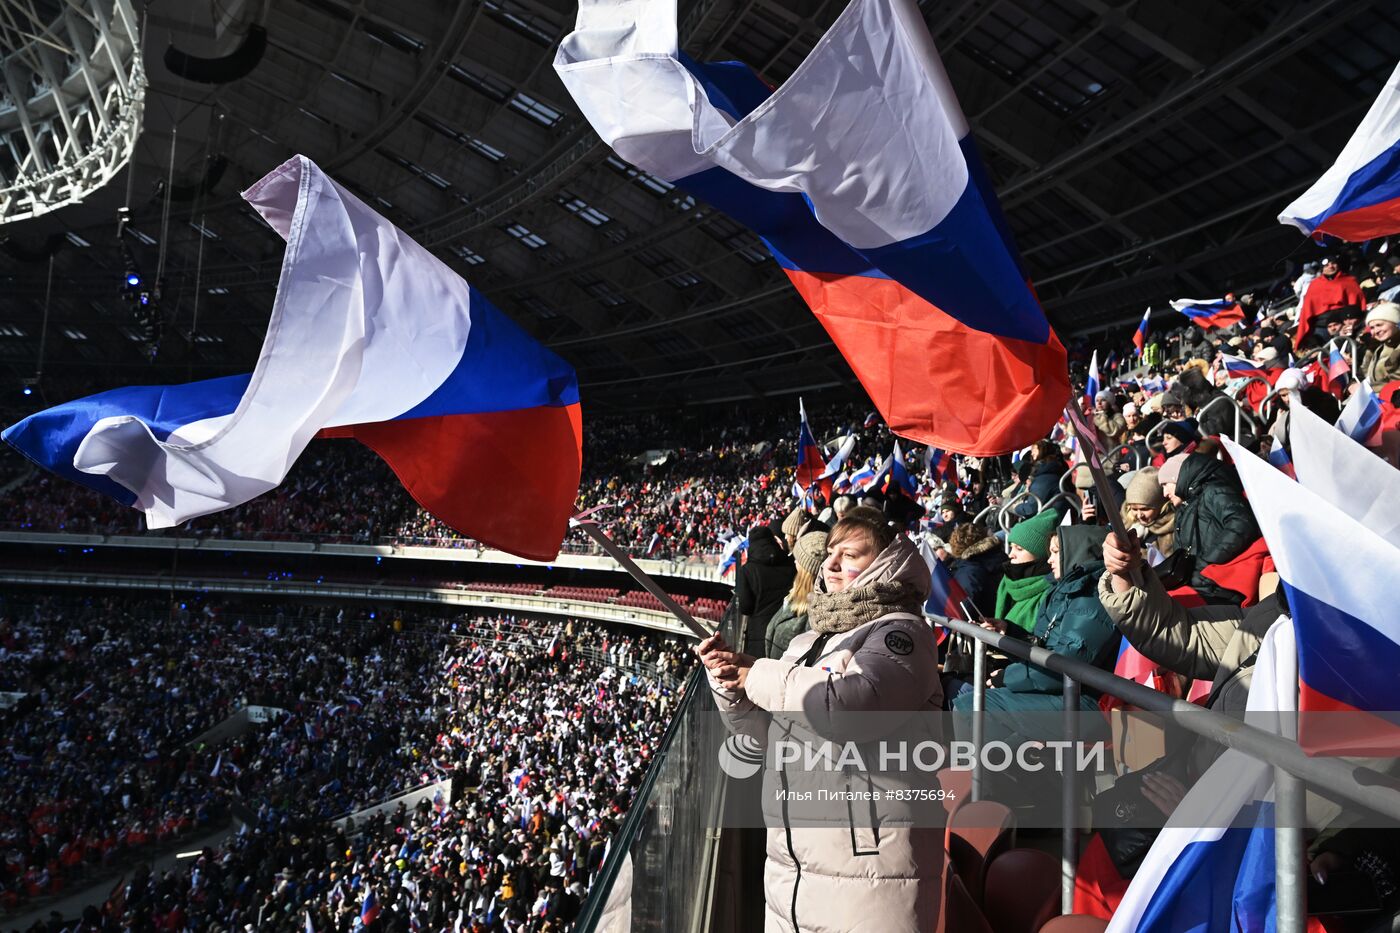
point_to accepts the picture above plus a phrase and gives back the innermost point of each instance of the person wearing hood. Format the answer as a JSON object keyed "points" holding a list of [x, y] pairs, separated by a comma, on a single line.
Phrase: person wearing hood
{"points": [[868, 650], [1148, 514], [761, 584], [1070, 622], [978, 565], [1214, 523]]}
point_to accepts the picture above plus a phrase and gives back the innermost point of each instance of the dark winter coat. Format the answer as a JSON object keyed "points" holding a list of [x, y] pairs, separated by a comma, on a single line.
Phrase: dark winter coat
{"points": [[1045, 485], [1072, 621], [763, 582], [979, 570], [782, 629], [1214, 522]]}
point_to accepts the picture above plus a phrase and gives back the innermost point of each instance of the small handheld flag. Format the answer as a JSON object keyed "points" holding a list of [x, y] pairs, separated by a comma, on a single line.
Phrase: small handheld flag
{"points": [[810, 465], [1140, 335]]}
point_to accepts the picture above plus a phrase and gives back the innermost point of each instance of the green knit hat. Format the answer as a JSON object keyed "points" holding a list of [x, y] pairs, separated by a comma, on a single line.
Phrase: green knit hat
{"points": [[1033, 534]]}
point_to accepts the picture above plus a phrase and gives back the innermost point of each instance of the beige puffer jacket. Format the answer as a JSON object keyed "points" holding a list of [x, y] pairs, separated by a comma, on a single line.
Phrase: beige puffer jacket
{"points": [[819, 880]]}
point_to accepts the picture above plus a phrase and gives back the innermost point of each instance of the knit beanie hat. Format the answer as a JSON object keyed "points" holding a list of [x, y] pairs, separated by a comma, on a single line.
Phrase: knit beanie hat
{"points": [[1143, 489], [1171, 470], [810, 551], [1384, 311], [1083, 477], [1033, 534], [794, 522]]}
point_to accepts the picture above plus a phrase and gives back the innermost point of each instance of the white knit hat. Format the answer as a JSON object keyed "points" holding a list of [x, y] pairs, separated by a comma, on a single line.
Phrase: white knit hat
{"points": [[1384, 311]]}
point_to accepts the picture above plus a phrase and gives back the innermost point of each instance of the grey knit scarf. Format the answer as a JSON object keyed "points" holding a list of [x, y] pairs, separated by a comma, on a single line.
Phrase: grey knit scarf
{"points": [[834, 613]]}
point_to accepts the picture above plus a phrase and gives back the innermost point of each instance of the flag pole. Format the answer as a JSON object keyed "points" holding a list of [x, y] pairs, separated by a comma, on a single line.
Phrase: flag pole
{"points": [[594, 531], [1091, 448]]}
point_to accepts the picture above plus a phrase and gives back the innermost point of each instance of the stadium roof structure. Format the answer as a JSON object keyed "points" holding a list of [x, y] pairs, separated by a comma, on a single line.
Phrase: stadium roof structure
{"points": [[1141, 150]]}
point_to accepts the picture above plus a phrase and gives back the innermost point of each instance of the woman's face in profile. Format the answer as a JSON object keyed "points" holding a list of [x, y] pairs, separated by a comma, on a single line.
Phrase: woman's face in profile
{"points": [[846, 560]]}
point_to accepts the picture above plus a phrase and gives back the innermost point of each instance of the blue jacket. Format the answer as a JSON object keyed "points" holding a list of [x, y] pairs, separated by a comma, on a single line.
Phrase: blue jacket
{"points": [[1045, 485]]}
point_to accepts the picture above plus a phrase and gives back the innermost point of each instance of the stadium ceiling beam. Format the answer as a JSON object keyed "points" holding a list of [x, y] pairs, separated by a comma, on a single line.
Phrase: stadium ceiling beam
{"points": [[1186, 96], [1195, 60]]}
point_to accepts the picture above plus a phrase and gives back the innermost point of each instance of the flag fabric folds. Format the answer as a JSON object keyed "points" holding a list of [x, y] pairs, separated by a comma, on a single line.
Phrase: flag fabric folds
{"points": [[810, 466], [1140, 335], [1091, 385], [370, 337], [1219, 875], [861, 176], [1359, 196], [1209, 313], [1360, 419], [1342, 599], [1239, 368]]}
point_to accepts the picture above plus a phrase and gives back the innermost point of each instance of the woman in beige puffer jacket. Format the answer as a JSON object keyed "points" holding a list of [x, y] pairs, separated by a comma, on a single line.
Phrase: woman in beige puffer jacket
{"points": [[868, 651]]}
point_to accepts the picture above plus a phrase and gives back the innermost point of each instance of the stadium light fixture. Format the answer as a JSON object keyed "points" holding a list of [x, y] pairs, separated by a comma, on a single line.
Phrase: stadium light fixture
{"points": [[71, 100]]}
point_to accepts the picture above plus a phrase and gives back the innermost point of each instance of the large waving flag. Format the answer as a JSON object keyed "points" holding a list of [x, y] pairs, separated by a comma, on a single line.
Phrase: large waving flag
{"points": [[1342, 598], [810, 466], [370, 337], [1359, 196], [1219, 875], [1208, 313], [862, 178]]}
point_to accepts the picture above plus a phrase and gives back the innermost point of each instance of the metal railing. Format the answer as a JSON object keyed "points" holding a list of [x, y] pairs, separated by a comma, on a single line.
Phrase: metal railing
{"points": [[1294, 771]]}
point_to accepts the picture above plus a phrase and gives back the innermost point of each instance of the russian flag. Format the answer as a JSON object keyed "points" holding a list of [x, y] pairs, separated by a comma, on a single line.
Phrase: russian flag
{"points": [[862, 178], [1334, 376], [1342, 598], [899, 473], [810, 465], [1237, 367], [946, 595], [732, 554], [835, 465], [871, 419], [1208, 313], [936, 464], [1279, 459], [1140, 335], [1219, 873], [1361, 417], [1359, 196], [1091, 388], [862, 478], [842, 483], [369, 909], [370, 337]]}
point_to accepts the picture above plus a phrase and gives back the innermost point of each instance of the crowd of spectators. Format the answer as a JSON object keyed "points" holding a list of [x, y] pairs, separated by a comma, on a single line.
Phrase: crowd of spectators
{"points": [[544, 727]]}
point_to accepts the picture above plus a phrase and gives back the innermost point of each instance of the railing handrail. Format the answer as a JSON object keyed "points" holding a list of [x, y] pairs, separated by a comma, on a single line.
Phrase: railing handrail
{"points": [[620, 845], [1240, 413], [1326, 775]]}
